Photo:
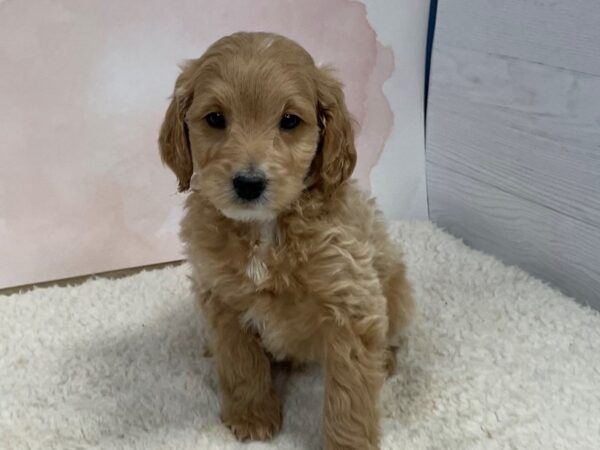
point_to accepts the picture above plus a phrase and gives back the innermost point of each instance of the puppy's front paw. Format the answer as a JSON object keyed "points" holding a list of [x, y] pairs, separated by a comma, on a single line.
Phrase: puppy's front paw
{"points": [[260, 423]]}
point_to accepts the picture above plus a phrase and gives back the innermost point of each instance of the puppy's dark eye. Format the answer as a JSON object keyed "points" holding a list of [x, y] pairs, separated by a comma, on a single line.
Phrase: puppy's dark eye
{"points": [[216, 120], [289, 121]]}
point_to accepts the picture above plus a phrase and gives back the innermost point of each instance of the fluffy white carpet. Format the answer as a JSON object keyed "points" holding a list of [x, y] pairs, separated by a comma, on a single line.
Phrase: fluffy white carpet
{"points": [[495, 360]]}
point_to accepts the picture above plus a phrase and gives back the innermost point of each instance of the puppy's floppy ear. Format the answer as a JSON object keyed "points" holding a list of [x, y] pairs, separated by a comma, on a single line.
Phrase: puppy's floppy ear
{"points": [[174, 141], [336, 156]]}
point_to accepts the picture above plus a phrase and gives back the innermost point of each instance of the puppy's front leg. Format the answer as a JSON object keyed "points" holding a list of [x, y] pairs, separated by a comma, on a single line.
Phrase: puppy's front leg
{"points": [[251, 408], [354, 374]]}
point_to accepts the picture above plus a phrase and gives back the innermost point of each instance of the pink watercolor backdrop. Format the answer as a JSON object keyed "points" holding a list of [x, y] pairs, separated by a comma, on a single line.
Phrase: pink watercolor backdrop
{"points": [[83, 90]]}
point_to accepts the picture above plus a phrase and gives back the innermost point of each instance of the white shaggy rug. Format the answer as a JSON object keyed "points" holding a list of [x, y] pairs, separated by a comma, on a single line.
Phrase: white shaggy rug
{"points": [[495, 360]]}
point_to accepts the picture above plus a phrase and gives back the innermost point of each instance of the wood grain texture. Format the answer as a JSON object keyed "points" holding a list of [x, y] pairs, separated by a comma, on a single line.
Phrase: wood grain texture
{"points": [[526, 128], [550, 245], [560, 33], [513, 134]]}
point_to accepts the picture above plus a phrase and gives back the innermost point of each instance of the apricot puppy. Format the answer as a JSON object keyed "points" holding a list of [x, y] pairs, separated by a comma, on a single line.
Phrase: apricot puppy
{"points": [[290, 260]]}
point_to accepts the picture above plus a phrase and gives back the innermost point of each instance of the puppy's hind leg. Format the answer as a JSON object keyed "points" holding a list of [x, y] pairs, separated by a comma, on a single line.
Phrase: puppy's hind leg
{"points": [[390, 360], [400, 304]]}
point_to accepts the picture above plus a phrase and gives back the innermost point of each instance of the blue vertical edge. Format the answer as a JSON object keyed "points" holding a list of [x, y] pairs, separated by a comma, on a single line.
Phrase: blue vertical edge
{"points": [[430, 34]]}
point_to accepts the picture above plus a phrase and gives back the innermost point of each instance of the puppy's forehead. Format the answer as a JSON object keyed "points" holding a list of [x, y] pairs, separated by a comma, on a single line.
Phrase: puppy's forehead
{"points": [[266, 46], [259, 65]]}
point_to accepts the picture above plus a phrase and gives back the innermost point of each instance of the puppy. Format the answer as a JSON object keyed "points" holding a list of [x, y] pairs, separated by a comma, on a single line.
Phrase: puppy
{"points": [[290, 260]]}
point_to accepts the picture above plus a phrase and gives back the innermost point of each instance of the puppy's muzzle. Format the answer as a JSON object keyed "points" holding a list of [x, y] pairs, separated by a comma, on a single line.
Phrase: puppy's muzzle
{"points": [[249, 186]]}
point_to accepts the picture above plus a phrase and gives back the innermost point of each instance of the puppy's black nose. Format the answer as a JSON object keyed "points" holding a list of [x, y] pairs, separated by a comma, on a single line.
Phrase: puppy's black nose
{"points": [[249, 186]]}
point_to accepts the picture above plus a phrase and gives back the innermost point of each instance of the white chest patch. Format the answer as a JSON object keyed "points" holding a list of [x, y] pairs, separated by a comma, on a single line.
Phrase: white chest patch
{"points": [[257, 269]]}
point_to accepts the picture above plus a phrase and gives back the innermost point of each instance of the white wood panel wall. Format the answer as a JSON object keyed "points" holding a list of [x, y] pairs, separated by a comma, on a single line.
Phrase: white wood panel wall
{"points": [[513, 134]]}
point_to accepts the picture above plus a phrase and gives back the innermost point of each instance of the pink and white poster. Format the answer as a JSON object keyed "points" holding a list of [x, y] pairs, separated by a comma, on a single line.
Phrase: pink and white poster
{"points": [[84, 87]]}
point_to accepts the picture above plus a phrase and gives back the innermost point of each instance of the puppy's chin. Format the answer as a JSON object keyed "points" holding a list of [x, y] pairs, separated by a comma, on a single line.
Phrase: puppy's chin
{"points": [[258, 214]]}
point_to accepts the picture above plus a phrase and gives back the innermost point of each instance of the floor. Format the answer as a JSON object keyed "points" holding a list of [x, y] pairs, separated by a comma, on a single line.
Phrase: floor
{"points": [[495, 359]]}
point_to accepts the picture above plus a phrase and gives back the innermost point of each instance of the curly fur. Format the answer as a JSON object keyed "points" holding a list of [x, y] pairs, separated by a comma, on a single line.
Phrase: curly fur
{"points": [[308, 272]]}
